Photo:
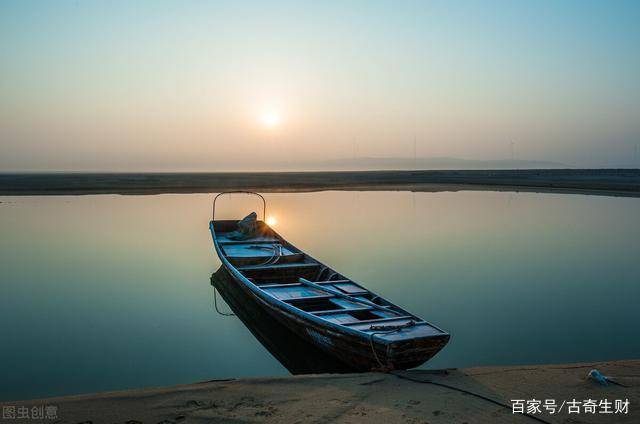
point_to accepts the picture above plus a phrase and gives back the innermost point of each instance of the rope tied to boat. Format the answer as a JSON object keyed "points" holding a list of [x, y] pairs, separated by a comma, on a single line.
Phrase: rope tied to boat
{"points": [[275, 257], [468, 392], [386, 330], [215, 305]]}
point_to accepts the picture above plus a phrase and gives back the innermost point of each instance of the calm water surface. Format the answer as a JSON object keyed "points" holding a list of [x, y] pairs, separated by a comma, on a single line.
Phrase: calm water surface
{"points": [[112, 292]]}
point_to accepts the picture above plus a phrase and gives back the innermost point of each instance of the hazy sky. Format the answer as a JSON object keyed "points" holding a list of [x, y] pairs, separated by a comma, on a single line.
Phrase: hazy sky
{"points": [[151, 85]]}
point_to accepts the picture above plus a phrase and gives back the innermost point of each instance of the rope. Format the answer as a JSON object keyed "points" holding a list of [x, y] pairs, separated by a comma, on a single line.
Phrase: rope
{"points": [[390, 329], [275, 256], [404, 377], [215, 304], [333, 274], [322, 270], [385, 329], [616, 383]]}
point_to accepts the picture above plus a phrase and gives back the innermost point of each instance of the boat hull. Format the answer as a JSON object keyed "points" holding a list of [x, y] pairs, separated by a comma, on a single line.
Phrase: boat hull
{"points": [[355, 351], [337, 316]]}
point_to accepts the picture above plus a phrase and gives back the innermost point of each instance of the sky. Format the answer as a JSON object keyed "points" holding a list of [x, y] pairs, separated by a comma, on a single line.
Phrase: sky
{"points": [[207, 85]]}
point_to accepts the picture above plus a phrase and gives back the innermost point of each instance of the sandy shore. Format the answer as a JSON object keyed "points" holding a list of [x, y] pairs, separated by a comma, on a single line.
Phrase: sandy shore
{"points": [[617, 182], [364, 398]]}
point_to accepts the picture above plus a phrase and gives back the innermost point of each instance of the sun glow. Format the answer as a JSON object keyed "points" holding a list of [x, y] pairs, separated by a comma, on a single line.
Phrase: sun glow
{"points": [[271, 221], [270, 119]]}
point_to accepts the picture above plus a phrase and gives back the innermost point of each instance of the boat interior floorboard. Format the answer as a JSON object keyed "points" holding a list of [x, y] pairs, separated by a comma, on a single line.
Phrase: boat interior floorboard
{"points": [[373, 321], [337, 311]]}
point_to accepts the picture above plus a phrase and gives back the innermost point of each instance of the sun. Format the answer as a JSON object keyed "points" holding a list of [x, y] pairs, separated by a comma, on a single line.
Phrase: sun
{"points": [[271, 221], [270, 119]]}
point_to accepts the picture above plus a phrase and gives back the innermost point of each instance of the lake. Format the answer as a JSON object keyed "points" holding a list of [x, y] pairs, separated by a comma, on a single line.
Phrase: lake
{"points": [[113, 292]]}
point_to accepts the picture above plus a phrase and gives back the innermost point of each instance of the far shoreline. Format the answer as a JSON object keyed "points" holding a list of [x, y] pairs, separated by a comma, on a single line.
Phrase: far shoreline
{"points": [[606, 182]]}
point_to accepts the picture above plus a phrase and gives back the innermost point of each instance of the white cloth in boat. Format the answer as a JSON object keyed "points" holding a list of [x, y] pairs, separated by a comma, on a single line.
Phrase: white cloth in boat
{"points": [[247, 228]]}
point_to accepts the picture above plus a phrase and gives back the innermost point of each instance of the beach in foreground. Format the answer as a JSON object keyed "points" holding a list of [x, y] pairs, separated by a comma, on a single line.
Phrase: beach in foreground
{"points": [[403, 397], [611, 182]]}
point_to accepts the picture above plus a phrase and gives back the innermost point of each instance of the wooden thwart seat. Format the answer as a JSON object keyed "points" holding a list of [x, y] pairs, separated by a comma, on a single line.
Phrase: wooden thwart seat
{"points": [[249, 241], [314, 297], [337, 311], [278, 266], [274, 286]]}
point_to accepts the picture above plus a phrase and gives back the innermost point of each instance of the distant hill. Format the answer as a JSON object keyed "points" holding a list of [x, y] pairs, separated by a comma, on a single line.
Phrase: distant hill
{"points": [[427, 163]]}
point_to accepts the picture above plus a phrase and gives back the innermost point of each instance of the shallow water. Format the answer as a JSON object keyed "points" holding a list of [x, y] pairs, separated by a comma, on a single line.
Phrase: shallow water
{"points": [[112, 292]]}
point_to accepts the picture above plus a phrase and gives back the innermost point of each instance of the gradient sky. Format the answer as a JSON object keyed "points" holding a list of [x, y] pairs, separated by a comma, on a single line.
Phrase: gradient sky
{"points": [[151, 85]]}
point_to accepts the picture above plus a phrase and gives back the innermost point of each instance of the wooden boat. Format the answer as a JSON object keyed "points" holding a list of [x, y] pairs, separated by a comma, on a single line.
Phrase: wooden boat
{"points": [[327, 309]]}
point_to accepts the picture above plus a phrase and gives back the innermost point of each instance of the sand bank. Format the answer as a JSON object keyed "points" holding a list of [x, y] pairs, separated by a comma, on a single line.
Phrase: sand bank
{"points": [[364, 398], [618, 182]]}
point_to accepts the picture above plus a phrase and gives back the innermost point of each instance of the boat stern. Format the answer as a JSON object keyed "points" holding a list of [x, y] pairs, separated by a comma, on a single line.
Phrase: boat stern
{"points": [[408, 348]]}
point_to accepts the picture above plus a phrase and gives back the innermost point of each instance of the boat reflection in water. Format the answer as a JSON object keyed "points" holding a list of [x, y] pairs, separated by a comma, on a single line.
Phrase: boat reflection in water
{"points": [[294, 353]]}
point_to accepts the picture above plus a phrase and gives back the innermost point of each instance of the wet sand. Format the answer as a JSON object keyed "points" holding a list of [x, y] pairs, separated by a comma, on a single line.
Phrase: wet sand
{"points": [[364, 398], [611, 182]]}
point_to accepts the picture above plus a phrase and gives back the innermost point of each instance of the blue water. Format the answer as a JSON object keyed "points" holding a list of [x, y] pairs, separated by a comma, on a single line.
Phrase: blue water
{"points": [[112, 292]]}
